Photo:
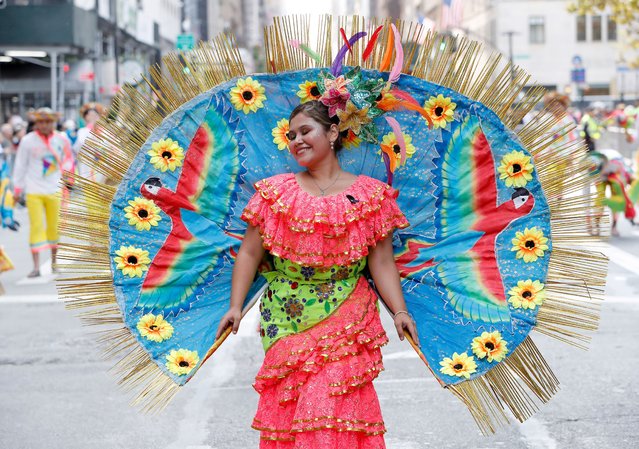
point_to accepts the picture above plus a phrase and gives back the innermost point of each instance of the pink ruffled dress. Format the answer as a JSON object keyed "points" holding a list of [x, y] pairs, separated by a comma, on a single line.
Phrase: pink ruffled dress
{"points": [[315, 385]]}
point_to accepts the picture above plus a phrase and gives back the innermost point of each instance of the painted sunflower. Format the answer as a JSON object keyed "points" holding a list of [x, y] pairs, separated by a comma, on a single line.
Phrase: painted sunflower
{"points": [[166, 154], [308, 91], [353, 118], [155, 328], [441, 110], [248, 95], [390, 146], [351, 140], [515, 169], [460, 365], [142, 213], [491, 346], [181, 361], [132, 261], [280, 134], [527, 294], [530, 244]]}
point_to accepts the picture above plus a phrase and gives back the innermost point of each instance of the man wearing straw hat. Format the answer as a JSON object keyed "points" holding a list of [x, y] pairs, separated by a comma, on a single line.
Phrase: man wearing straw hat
{"points": [[42, 157]]}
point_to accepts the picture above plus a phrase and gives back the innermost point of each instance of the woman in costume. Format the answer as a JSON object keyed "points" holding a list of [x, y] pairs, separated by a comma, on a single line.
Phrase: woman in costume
{"points": [[312, 398], [90, 113], [618, 189]]}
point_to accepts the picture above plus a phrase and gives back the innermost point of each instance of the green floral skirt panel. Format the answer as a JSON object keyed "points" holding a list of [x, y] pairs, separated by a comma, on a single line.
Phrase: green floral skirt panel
{"points": [[298, 297]]}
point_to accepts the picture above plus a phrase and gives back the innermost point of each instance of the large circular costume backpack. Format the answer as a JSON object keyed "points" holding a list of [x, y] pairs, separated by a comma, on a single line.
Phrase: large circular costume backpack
{"points": [[492, 253]]}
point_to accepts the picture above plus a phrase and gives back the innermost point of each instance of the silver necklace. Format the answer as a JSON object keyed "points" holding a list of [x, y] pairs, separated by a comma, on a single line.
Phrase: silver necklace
{"points": [[323, 191]]}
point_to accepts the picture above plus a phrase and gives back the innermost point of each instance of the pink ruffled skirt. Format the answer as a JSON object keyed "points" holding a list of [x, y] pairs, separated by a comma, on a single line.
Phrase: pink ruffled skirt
{"points": [[315, 387]]}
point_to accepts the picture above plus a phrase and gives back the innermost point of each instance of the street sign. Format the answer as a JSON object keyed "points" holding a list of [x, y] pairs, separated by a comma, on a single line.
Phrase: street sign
{"points": [[577, 61], [185, 42], [578, 75]]}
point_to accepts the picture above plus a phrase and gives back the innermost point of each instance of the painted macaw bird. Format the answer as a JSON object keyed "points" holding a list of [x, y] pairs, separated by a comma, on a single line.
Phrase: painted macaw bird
{"points": [[469, 219], [201, 198]]}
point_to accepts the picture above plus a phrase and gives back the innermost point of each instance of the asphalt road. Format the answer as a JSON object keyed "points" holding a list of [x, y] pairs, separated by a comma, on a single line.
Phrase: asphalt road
{"points": [[57, 392]]}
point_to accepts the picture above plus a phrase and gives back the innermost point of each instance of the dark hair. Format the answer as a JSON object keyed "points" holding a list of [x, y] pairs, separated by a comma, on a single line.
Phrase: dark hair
{"points": [[318, 111]]}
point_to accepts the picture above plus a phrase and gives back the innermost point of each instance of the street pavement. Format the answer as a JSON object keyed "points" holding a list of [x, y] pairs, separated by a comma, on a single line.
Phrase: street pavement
{"points": [[57, 391]]}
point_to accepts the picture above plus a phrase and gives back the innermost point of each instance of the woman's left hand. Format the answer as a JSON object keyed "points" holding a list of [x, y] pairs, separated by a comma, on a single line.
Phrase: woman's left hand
{"points": [[404, 323]]}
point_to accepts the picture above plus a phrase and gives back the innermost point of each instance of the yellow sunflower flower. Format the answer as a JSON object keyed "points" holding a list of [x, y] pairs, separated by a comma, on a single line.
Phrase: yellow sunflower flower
{"points": [[530, 244], [490, 345], [142, 213], [182, 361], [460, 365], [248, 95], [515, 169], [280, 134], [390, 146], [527, 294], [132, 261], [155, 328], [441, 110], [166, 154], [351, 140], [308, 91], [353, 118]]}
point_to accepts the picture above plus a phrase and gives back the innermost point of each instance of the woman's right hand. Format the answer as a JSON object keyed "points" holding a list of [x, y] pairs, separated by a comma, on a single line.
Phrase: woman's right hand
{"points": [[230, 318]]}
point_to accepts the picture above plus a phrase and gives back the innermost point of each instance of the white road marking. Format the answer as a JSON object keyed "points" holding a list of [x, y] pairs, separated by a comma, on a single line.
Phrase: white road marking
{"points": [[29, 299], [410, 354], [536, 435], [621, 258], [193, 428], [45, 275]]}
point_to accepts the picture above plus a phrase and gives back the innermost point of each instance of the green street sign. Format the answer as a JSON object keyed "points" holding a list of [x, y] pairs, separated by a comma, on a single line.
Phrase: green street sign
{"points": [[185, 42]]}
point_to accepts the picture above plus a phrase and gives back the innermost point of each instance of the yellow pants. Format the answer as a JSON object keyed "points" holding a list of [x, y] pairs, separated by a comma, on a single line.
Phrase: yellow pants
{"points": [[43, 219]]}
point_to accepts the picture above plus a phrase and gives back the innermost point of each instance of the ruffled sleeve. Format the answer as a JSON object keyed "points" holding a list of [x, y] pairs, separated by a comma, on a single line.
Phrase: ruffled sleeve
{"points": [[323, 231]]}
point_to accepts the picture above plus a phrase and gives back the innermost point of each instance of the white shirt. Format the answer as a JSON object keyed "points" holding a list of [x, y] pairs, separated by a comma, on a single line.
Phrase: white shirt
{"points": [[39, 161]]}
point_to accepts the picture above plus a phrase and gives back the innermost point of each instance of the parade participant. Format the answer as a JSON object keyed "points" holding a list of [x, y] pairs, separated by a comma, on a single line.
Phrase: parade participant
{"points": [[618, 188], [565, 135], [321, 189], [590, 128], [432, 176], [42, 156], [70, 129], [6, 194], [91, 113]]}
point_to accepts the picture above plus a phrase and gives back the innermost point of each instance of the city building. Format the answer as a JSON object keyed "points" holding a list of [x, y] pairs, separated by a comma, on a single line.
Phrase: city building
{"points": [[583, 56], [84, 49]]}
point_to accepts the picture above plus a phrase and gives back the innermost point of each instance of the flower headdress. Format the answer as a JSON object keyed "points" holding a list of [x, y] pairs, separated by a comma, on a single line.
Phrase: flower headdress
{"points": [[357, 101]]}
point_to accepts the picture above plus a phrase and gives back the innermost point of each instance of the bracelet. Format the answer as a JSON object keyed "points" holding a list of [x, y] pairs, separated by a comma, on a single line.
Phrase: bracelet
{"points": [[401, 311]]}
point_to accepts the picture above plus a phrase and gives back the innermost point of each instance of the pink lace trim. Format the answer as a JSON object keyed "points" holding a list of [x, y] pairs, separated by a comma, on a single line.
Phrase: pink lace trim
{"points": [[321, 379], [323, 231]]}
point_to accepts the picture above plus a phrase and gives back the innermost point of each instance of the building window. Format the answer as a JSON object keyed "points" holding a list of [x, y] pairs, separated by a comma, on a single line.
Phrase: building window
{"points": [[581, 28], [536, 28], [612, 29], [596, 28]]}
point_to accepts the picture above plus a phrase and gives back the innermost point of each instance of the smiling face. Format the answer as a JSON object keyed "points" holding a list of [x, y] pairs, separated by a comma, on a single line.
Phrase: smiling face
{"points": [[44, 126], [310, 142]]}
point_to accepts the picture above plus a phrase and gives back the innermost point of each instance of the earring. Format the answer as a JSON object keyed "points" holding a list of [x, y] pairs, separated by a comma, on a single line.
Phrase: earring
{"points": [[332, 145]]}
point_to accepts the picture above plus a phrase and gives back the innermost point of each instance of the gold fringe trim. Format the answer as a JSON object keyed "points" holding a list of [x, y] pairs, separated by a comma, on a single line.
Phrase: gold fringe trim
{"points": [[504, 384], [84, 257]]}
